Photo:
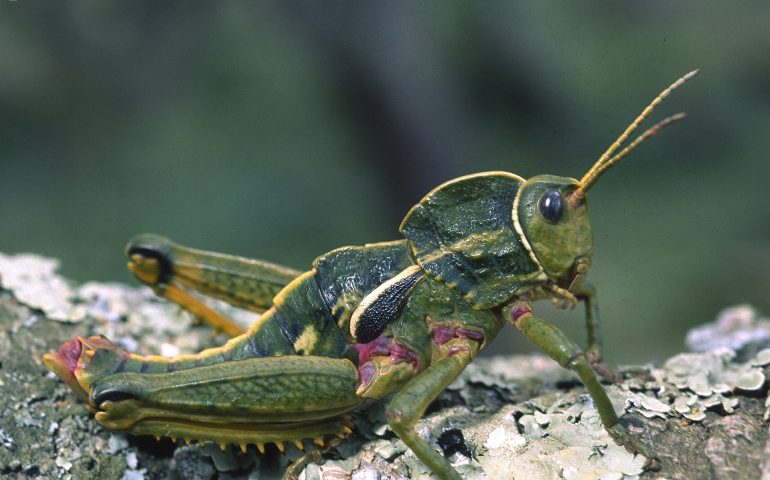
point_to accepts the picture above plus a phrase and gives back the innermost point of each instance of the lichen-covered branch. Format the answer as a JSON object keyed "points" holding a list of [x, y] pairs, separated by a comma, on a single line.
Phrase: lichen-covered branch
{"points": [[705, 414]]}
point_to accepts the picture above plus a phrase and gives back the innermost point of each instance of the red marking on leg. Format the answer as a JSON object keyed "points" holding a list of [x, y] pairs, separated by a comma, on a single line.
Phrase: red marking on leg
{"points": [[520, 311], [399, 353], [69, 354], [458, 349]]}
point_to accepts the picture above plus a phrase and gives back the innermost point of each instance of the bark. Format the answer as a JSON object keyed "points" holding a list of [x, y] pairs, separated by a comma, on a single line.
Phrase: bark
{"points": [[704, 414]]}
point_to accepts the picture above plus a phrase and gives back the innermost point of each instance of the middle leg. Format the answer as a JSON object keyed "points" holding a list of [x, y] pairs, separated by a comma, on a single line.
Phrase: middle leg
{"points": [[587, 293]]}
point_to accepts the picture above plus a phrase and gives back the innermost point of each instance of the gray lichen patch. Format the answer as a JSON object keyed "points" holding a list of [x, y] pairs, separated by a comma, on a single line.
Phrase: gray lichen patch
{"points": [[566, 441], [647, 405], [689, 384], [44, 433], [739, 328], [713, 372]]}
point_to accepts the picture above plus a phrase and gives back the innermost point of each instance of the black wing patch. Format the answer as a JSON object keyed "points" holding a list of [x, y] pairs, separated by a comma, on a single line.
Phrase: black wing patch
{"points": [[384, 304]]}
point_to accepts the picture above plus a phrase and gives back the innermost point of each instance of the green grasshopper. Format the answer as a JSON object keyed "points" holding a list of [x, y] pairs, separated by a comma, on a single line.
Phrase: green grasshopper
{"points": [[400, 318]]}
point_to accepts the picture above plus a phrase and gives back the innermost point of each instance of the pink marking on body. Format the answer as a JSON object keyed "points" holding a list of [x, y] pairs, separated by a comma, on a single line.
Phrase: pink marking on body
{"points": [[397, 353], [472, 334], [380, 346], [442, 334], [366, 373], [69, 353], [520, 311]]}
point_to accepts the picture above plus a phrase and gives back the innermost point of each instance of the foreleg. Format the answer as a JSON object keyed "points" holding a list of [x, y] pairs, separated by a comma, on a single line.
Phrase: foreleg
{"points": [[562, 349]]}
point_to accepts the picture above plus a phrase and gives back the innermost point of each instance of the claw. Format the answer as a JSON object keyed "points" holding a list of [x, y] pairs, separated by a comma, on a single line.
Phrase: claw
{"points": [[622, 437], [243, 447], [604, 371], [319, 441], [652, 465], [298, 444], [280, 446], [261, 448]]}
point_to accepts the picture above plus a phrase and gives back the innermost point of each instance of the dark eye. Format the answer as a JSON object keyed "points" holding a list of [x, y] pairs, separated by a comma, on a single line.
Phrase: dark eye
{"points": [[551, 206]]}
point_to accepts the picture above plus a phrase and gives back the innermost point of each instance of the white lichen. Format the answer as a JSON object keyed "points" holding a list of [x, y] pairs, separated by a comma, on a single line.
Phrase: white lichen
{"points": [[734, 328], [648, 406], [33, 281], [712, 372]]}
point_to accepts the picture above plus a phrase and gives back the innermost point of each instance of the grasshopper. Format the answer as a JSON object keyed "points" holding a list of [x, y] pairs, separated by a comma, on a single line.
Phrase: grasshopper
{"points": [[400, 319]]}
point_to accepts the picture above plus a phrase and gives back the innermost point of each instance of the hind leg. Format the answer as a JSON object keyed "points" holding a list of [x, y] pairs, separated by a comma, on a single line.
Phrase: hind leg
{"points": [[251, 401], [172, 271]]}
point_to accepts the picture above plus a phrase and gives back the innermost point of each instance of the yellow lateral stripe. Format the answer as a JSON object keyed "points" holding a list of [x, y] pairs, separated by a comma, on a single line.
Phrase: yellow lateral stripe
{"points": [[281, 297], [520, 231]]}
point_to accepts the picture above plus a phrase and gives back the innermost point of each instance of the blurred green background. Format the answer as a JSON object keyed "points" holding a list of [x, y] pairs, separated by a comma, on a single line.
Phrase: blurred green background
{"points": [[282, 130]]}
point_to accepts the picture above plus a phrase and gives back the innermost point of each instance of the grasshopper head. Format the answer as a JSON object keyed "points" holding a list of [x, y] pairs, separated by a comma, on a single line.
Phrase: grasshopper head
{"points": [[555, 222], [552, 210]]}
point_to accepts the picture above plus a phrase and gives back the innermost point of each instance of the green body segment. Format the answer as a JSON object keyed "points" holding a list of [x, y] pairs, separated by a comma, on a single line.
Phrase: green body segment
{"points": [[346, 275], [296, 324], [255, 388], [463, 235]]}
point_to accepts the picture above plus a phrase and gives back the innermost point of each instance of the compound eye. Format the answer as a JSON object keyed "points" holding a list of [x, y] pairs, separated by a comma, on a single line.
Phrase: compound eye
{"points": [[551, 206]]}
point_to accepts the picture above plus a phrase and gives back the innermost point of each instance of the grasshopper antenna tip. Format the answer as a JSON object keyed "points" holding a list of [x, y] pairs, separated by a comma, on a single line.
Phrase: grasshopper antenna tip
{"points": [[678, 116]]}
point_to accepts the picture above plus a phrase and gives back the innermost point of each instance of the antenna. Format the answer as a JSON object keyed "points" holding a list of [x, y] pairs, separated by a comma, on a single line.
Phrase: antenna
{"points": [[605, 161]]}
